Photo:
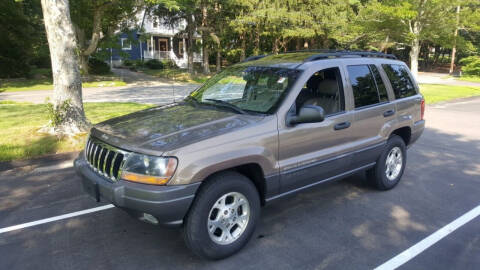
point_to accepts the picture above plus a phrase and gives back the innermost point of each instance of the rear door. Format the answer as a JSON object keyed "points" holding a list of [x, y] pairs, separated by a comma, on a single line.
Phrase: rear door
{"points": [[372, 110], [408, 99]]}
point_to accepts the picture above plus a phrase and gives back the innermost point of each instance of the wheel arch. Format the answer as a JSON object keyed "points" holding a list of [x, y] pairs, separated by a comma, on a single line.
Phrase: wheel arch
{"points": [[403, 132], [253, 171]]}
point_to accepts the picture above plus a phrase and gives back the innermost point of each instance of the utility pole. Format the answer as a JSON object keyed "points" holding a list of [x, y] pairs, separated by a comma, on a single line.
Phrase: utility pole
{"points": [[454, 48]]}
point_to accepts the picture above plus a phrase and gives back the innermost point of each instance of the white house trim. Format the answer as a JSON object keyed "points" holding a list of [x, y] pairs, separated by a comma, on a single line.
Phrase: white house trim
{"points": [[123, 41]]}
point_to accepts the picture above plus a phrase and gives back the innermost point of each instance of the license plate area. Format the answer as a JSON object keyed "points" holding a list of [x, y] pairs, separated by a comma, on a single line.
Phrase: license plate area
{"points": [[92, 189]]}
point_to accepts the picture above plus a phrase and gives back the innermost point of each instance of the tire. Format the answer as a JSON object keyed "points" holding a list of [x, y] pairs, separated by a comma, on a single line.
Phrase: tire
{"points": [[205, 214], [385, 177]]}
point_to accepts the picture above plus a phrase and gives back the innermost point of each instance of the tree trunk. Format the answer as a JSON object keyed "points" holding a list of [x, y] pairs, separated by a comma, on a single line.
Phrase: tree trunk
{"points": [[384, 45], [67, 94], [275, 46], [454, 48], [243, 46], [206, 54], [256, 50], [190, 30], [86, 49], [205, 64], [298, 44], [84, 64], [414, 52], [219, 60]]}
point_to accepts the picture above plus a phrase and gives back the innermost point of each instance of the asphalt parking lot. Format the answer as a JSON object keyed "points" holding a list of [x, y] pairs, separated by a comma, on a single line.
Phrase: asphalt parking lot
{"points": [[338, 225]]}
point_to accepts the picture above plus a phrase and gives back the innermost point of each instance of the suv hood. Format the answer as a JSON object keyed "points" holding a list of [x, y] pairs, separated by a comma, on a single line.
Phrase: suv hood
{"points": [[159, 129]]}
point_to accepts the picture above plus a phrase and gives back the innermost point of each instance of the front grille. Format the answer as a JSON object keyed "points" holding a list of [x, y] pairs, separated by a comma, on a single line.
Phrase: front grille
{"points": [[104, 159]]}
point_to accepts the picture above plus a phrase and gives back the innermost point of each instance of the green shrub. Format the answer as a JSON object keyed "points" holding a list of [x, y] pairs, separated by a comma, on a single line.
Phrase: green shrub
{"points": [[154, 64], [98, 67], [128, 63], [13, 68], [471, 65], [169, 64], [139, 63]]}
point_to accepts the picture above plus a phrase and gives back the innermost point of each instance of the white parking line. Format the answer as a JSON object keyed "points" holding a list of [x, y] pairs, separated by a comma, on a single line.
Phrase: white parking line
{"points": [[51, 219], [418, 248]]}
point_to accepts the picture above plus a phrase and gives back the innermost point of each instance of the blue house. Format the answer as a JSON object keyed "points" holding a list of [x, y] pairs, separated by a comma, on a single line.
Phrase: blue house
{"points": [[163, 42]]}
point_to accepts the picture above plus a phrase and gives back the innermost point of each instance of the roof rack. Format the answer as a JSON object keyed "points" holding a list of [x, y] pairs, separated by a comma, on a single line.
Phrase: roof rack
{"points": [[328, 54], [348, 54], [253, 58]]}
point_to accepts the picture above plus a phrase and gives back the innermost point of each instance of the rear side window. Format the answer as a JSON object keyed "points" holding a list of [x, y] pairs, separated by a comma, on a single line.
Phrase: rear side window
{"points": [[364, 88], [400, 79], [382, 91]]}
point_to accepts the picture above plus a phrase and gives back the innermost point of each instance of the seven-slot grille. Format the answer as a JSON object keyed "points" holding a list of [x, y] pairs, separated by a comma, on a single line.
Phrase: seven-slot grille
{"points": [[104, 159]]}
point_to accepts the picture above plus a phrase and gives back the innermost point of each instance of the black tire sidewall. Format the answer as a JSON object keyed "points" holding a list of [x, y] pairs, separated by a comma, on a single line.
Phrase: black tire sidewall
{"points": [[196, 231], [382, 181]]}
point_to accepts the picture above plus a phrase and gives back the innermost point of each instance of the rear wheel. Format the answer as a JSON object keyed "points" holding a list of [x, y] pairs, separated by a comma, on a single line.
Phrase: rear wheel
{"points": [[223, 216], [390, 165]]}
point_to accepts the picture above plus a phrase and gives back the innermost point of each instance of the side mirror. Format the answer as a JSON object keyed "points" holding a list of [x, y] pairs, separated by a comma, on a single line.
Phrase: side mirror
{"points": [[307, 114]]}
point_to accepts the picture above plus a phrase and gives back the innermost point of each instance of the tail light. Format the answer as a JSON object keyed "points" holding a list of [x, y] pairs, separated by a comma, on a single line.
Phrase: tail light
{"points": [[422, 108]]}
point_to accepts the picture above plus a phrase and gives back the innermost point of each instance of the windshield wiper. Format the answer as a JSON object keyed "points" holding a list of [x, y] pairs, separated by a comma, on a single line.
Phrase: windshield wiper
{"points": [[191, 99], [226, 104]]}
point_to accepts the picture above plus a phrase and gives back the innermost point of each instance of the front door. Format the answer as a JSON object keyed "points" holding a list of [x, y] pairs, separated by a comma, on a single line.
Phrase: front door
{"points": [[312, 152], [163, 44]]}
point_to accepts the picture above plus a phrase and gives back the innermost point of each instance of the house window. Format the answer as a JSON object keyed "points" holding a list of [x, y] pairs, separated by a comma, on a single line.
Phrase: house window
{"points": [[180, 48], [126, 45]]}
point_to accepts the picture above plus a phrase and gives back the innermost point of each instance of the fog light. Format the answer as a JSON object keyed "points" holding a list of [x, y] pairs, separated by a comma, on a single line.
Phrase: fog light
{"points": [[149, 218]]}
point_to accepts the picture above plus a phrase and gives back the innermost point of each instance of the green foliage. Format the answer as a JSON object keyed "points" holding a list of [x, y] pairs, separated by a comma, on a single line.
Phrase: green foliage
{"points": [[21, 36], [154, 64], [128, 63], [57, 114], [471, 65], [98, 67]]}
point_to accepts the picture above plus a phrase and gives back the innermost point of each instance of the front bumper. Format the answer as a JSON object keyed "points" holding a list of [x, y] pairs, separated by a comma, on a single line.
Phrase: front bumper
{"points": [[168, 204]]}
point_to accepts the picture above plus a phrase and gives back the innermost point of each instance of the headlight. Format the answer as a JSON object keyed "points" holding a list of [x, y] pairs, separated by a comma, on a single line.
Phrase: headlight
{"points": [[149, 169]]}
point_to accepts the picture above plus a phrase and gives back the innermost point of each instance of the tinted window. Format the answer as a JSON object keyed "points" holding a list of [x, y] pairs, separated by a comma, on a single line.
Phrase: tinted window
{"points": [[324, 89], [363, 84], [400, 80], [382, 91]]}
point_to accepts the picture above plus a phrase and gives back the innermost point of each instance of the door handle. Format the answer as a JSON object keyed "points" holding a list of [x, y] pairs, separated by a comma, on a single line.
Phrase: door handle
{"points": [[343, 125], [388, 113]]}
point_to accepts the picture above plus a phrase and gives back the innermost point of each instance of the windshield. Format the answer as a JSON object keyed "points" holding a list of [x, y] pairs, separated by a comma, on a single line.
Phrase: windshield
{"points": [[247, 89]]}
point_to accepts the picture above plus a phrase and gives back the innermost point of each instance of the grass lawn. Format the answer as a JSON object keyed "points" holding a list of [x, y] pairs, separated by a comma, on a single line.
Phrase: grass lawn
{"points": [[466, 78], [436, 92], [469, 78], [16, 85], [177, 75], [20, 121]]}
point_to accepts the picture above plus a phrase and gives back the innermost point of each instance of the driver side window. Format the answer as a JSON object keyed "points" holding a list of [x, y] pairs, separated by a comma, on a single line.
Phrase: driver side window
{"points": [[324, 89]]}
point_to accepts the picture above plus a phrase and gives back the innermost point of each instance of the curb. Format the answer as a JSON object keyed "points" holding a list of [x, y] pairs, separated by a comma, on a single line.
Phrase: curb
{"points": [[38, 161]]}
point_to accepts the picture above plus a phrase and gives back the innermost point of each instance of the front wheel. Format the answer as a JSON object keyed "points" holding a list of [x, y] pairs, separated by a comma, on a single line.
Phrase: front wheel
{"points": [[223, 216], [390, 165]]}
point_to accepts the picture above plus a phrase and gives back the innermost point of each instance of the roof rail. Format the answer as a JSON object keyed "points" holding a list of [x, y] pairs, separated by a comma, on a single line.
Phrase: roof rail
{"points": [[253, 58], [339, 54]]}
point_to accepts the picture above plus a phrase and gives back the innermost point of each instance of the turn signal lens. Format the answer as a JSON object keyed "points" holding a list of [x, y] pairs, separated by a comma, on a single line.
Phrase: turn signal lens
{"points": [[422, 108], [145, 179]]}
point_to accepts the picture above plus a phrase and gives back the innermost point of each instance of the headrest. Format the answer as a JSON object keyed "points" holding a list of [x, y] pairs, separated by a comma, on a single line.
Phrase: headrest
{"points": [[329, 87]]}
